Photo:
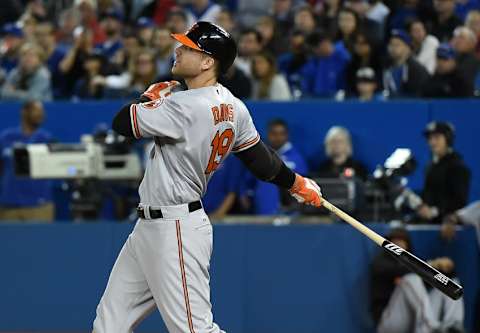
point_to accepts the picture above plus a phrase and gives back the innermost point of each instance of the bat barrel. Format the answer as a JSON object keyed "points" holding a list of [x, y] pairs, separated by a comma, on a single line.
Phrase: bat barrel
{"points": [[432, 276]]}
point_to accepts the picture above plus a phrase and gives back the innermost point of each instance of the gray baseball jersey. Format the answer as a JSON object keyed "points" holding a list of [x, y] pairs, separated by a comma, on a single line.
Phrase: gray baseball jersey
{"points": [[165, 261], [194, 130]]}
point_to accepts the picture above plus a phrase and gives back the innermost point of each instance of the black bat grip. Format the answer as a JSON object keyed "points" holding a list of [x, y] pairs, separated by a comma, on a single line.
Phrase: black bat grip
{"points": [[432, 276]]}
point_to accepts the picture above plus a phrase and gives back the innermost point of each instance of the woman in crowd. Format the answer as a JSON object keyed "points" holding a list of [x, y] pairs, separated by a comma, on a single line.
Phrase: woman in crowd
{"points": [[269, 84], [364, 54], [339, 151], [348, 24]]}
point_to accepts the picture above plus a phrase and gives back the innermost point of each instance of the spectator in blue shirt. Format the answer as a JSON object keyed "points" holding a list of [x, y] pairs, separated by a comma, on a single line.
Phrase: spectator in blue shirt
{"points": [[292, 62], [405, 77], [268, 199], [223, 188], [112, 23], [22, 198], [12, 41], [324, 74]]}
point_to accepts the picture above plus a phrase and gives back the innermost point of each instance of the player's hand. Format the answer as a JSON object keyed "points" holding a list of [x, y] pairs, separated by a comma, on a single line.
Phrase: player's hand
{"points": [[306, 191], [160, 89]]}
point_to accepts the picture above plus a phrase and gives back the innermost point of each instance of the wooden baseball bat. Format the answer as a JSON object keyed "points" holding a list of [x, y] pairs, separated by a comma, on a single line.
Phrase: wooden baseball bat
{"points": [[428, 273]]}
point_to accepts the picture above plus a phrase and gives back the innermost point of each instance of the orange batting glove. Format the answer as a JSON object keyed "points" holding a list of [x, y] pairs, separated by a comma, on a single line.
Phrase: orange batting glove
{"points": [[160, 90], [306, 191]]}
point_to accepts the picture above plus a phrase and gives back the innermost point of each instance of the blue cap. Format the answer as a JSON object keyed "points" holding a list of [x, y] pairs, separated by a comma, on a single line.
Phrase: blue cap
{"points": [[145, 22], [114, 13], [402, 35], [12, 29], [445, 51]]}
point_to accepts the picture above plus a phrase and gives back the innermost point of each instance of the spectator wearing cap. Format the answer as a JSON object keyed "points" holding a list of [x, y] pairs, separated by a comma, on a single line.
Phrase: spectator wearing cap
{"points": [[268, 83], [164, 47], [145, 29], [464, 42], [324, 74], [444, 21], [365, 54], [112, 24], [405, 76], [201, 10], [30, 79], [366, 82], [45, 36], [249, 45], [447, 179], [448, 81], [424, 46], [473, 23], [10, 46]]}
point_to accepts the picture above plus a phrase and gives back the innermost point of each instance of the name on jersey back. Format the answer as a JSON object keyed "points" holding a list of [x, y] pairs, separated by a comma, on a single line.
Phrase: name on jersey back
{"points": [[222, 113]]}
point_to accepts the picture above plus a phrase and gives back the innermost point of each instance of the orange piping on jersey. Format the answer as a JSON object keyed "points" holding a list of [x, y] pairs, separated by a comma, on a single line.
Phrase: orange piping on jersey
{"points": [[247, 144], [136, 131], [184, 277]]}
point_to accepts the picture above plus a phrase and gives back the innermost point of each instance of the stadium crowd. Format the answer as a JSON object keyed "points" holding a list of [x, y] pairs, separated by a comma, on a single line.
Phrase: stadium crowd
{"points": [[288, 49]]}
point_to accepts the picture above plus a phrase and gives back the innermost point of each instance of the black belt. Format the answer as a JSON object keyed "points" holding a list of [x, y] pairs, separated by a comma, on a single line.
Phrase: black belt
{"points": [[157, 213]]}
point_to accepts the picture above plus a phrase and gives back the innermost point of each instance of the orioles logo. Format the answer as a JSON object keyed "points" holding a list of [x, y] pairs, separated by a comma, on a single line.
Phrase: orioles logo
{"points": [[152, 104]]}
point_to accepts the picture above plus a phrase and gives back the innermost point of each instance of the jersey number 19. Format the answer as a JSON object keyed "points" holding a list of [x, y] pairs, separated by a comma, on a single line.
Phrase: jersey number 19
{"points": [[220, 146]]}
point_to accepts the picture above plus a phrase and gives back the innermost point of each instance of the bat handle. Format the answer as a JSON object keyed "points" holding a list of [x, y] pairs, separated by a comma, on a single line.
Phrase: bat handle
{"points": [[354, 223]]}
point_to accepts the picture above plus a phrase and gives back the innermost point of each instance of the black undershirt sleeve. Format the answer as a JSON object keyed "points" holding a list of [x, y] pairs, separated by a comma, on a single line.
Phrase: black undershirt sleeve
{"points": [[122, 123], [266, 165]]}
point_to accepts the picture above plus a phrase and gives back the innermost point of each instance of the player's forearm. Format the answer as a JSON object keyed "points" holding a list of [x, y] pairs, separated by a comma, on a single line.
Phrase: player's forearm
{"points": [[266, 165], [122, 123]]}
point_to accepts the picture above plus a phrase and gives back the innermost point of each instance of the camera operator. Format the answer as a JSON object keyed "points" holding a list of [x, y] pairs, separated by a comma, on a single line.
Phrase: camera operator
{"points": [[447, 179]]}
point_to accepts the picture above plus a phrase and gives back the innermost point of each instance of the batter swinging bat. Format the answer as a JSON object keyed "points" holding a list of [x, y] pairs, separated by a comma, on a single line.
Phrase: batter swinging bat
{"points": [[427, 272]]}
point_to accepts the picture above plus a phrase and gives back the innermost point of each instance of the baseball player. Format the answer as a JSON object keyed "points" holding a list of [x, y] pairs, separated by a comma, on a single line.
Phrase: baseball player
{"points": [[165, 260]]}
